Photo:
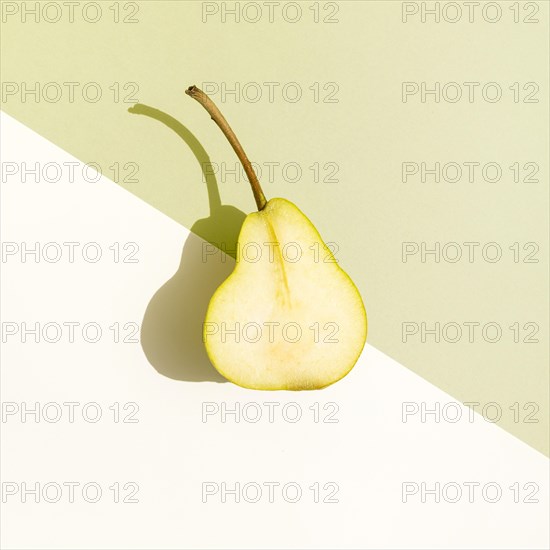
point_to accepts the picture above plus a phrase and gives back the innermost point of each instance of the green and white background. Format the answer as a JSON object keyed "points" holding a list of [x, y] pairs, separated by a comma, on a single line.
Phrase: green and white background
{"points": [[347, 108]]}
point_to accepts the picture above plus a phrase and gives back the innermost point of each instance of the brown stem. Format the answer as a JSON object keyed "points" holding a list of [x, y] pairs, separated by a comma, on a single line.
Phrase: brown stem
{"points": [[219, 119]]}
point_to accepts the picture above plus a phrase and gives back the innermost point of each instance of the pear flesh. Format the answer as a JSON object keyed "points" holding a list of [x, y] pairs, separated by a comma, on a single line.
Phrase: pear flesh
{"points": [[288, 318]]}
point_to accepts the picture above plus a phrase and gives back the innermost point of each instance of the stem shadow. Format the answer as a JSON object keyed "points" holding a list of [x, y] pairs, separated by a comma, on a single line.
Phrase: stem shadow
{"points": [[171, 331]]}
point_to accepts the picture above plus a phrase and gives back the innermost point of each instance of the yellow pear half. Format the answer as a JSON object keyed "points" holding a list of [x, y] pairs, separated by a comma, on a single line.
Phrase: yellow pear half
{"points": [[288, 317]]}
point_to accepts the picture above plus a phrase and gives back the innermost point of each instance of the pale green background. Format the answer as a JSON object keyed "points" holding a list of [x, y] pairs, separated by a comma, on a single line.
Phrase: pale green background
{"points": [[369, 133]]}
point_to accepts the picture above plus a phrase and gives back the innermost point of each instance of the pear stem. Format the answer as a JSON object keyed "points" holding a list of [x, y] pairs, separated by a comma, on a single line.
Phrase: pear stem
{"points": [[219, 119]]}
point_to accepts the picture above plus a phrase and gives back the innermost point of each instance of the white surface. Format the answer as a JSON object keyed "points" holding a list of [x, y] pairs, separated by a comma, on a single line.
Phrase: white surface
{"points": [[170, 451]]}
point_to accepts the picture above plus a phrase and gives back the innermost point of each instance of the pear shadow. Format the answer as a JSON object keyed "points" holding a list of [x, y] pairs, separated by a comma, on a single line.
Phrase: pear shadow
{"points": [[171, 330]]}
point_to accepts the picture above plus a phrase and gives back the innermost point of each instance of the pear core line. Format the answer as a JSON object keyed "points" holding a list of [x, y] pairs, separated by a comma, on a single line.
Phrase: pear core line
{"points": [[219, 119]]}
